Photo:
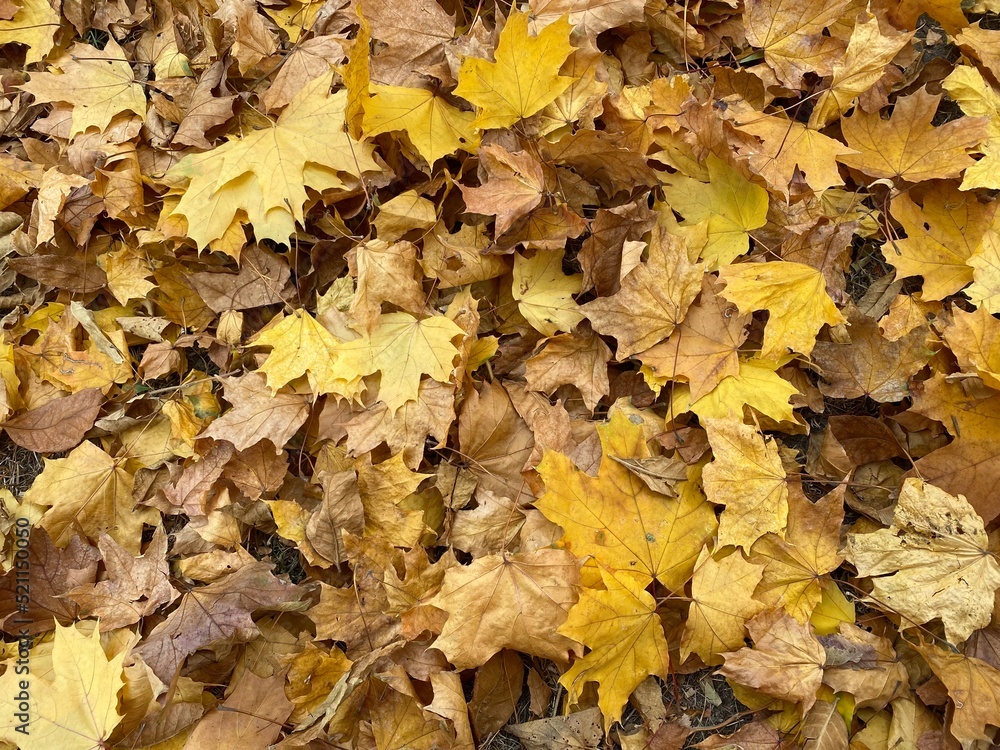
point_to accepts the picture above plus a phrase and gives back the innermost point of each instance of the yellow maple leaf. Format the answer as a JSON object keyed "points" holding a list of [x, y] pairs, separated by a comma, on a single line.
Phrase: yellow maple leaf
{"points": [[89, 492], [301, 346], [747, 477], [99, 83], [933, 562], [617, 519], [757, 385], [403, 349], [34, 25], [525, 77], [941, 237], [434, 127], [907, 145], [265, 173], [729, 203], [621, 628], [794, 294], [544, 293], [721, 603], [985, 263], [977, 98], [75, 706], [974, 339]]}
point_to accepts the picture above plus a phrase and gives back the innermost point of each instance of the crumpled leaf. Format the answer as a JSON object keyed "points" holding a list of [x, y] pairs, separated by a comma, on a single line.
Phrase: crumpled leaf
{"points": [[933, 562]]}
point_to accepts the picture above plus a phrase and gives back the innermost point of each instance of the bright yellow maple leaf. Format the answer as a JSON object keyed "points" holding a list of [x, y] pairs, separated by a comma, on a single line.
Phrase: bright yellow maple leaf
{"points": [[729, 203], [75, 707], [617, 519], [941, 238], [544, 293], [301, 346], [933, 562], [90, 492], [99, 83], [985, 263], [721, 603], [757, 385], [747, 477], [265, 173], [977, 98], [793, 293], [434, 127], [623, 631], [403, 349], [525, 77]]}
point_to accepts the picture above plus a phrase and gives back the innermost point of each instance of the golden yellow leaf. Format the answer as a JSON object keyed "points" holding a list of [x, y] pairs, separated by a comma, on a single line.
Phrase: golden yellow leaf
{"points": [[985, 263], [544, 293], [941, 237], [434, 127], [721, 603], [90, 492], [301, 346], [907, 145], [977, 98], [403, 349], [933, 562], [98, 83], [265, 173], [757, 385], [617, 519], [793, 293], [621, 628], [75, 706], [974, 339], [524, 77], [34, 25], [729, 203], [796, 566], [747, 477], [507, 601]]}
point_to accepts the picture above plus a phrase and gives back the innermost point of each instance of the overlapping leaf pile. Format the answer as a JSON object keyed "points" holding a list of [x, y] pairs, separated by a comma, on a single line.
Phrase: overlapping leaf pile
{"points": [[427, 375]]}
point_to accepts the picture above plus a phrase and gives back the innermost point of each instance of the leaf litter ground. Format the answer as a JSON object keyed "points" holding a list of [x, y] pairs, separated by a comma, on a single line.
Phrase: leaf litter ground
{"points": [[425, 375]]}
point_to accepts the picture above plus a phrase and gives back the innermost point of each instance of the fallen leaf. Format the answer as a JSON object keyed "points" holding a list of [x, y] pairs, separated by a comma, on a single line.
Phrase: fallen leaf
{"points": [[58, 425], [517, 597], [524, 77], [621, 628], [663, 536], [747, 477], [934, 538]]}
